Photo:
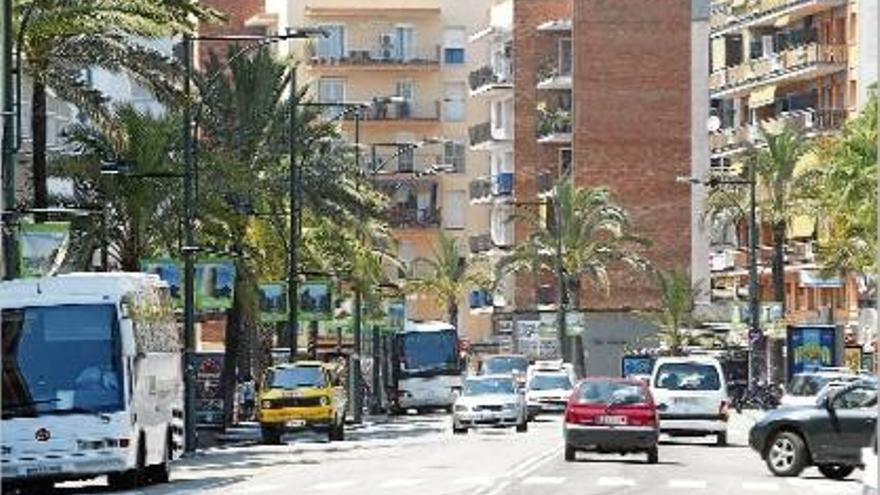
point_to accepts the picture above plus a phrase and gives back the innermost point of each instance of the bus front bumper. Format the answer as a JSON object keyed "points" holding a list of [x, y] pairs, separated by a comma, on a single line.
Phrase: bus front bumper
{"points": [[69, 466]]}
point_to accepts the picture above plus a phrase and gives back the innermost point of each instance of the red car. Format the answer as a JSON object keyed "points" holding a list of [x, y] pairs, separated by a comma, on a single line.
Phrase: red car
{"points": [[611, 415]]}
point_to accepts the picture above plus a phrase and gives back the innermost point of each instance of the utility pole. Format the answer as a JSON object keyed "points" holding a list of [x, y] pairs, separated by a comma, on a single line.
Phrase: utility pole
{"points": [[189, 311], [754, 335], [295, 209], [9, 220], [357, 380]]}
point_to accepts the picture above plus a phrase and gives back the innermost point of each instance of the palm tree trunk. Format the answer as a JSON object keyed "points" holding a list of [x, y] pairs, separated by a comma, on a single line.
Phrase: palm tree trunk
{"points": [[241, 318], [38, 134], [577, 347], [779, 230], [452, 312]]}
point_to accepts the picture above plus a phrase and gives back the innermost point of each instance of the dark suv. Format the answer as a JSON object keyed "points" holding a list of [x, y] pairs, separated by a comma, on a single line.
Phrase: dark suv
{"points": [[829, 434]]}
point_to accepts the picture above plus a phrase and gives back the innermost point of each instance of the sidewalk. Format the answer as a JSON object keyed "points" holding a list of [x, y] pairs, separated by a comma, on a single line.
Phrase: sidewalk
{"points": [[249, 431]]}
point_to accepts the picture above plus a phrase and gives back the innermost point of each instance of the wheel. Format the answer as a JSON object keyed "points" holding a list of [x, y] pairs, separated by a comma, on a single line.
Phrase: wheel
{"points": [[336, 433], [36, 488], [836, 471], [786, 454], [135, 477], [161, 473], [522, 427], [271, 434], [721, 439], [458, 430], [653, 455], [570, 453]]}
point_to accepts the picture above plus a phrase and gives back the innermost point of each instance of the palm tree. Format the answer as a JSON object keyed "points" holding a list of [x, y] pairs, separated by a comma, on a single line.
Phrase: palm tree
{"points": [[589, 235], [448, 275], [134, 223], [677, 302], [61, 39]]}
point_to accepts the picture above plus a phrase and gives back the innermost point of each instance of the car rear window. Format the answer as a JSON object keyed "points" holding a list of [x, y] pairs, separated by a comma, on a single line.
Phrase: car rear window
{"points": [[606, 392], [687, 376]]}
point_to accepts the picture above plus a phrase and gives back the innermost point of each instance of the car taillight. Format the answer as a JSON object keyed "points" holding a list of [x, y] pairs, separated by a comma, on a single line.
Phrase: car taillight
{"points": [[572, 415]]}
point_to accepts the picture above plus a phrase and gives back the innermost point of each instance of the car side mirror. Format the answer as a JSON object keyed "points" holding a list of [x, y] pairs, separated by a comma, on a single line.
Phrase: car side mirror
{"points": [[662, 407]]}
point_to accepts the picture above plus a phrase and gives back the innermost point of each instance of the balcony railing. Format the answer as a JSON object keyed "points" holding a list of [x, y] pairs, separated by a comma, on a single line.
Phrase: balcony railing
{"points": [[724, 16], [503, 184], [484, 134], [407, 216], [775, 67], [376, 56], [480, 243], [403, 161], [405, 110], [486, 76], [480, 189], [554, 125], [809, 121]]}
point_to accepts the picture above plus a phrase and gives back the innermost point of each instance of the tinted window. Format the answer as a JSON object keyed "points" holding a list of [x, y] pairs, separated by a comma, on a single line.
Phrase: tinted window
{"points": [[300, 376], [598, 392], [430, 351], [489, 386], [550, 382], [687, 376], [806, 385], [856, 398], [505, 364]]}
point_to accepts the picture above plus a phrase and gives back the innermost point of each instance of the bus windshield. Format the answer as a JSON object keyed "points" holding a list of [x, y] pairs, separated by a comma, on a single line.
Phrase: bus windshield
{"points": [[61, 360], [429, 352]]}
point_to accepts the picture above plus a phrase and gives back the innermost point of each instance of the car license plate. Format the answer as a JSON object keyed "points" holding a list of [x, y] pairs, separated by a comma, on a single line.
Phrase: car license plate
{"points": [[42, 470], [611, 420], [686, 400], [295, 423]]}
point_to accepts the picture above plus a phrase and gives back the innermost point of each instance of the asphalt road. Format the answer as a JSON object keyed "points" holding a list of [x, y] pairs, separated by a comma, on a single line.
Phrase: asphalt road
{"points": [[420, 455]]}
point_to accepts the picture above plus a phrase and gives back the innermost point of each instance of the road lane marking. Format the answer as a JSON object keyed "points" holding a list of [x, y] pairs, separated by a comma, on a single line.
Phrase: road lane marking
{"points": [[615, 481], [544, 480], [760, 486], [525, 468], [687, 484], [333, 485], [401, 482]]}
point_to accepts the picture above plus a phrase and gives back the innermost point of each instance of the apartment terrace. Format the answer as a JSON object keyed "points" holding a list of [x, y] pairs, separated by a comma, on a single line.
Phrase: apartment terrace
{"points": [[807, 61], [483, 137], [810, 121], [487, 79], [730, 16], [375, 58]]}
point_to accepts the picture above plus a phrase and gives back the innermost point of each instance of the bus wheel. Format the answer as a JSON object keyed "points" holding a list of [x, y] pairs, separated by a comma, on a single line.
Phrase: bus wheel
{"points": [[134, 477], [161, 473]]}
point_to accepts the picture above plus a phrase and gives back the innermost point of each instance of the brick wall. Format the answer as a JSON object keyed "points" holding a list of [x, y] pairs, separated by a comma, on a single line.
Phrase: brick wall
{"points": [[530, 48], [632, 126], [236, 12]]}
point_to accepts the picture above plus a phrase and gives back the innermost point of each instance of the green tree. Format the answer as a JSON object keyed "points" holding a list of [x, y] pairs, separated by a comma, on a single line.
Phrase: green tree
{"points": [[586, 235], [677, 303], [132, 223], [61, 39], [447, 275]]}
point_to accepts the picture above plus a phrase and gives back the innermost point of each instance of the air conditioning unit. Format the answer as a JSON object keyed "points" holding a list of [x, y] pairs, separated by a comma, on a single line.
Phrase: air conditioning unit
{"points": [[386, 44]]}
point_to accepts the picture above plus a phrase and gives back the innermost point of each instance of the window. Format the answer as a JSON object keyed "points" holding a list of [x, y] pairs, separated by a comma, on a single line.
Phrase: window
{"points": [[404, 41], [453, 154], [331, 90], [608, 392], [453, 45], [565, 57], [454, 102], [856, 398], [454, 209], [687, 376], [406, 89], [333, 46], [565, 161]]}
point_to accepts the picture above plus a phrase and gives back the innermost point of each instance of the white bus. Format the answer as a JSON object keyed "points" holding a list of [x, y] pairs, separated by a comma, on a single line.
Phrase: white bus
{"points": [[426, 367], [92, 380]]}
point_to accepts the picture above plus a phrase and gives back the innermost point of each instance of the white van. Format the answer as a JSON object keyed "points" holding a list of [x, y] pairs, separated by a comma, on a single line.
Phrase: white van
{"points": [[691, 394]]}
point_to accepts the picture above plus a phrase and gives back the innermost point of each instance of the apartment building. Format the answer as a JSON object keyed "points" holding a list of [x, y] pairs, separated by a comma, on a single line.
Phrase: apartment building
{"points": [[410, 59], [614, 95], [806, 64]]}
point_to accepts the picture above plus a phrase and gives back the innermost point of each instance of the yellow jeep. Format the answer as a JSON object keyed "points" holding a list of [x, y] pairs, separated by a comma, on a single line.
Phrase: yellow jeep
{"points": [[305, 394]]}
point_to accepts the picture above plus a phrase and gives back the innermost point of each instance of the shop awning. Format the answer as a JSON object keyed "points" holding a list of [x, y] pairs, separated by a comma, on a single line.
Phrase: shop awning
{"points": [[762, 96]]}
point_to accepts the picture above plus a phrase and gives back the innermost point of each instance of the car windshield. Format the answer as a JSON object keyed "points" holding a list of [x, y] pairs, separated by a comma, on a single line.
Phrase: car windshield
{"points": [[296, 377], [487, 386], [805, 385], [61, 359], [611, 392], [687, 376], [550, 382], [501, 365]]}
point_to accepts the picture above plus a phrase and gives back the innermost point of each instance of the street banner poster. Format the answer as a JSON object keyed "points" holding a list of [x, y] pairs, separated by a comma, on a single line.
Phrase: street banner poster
{"points": [[396, 310], [636, 365], [810, 347], [852, 358], [42, 247], [209, 388], [168, 270], [315, 300], [215, 284], [273, 302]]}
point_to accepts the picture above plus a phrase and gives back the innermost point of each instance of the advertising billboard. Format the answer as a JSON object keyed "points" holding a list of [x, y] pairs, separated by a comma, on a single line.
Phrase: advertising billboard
{"points": [[209, 388], [273, 302], [168, 270], [810, 347]]}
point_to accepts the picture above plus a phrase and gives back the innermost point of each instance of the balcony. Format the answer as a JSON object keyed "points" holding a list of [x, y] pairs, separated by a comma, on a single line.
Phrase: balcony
{"points": [[429, 111], [480, 190], [555, 26], [502, 225], [550, 77], [480, 243], [503, 184], [812, 122], [484, 137], [377, 58], [486, 79], [795, 64], [403, 161], [405, 216], [726, 18], [554, 126]]}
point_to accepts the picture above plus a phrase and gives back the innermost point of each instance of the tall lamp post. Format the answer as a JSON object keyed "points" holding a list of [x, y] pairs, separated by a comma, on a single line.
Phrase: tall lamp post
{"points": [[754, 335], [8, 220], [189, 248]]}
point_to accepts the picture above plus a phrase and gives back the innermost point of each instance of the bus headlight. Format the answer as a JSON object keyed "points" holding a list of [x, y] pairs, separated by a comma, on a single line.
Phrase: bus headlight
{"points": [[325, 401]]}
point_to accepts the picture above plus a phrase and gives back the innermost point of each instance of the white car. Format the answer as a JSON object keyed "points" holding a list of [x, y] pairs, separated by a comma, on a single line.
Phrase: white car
{"points": [[869, 475], [548, 392], [805, 388], [490, 401], [691, 394]]}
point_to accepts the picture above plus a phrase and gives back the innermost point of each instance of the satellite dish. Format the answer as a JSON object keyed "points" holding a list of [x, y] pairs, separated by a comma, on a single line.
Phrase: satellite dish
{"points": [[713, 123]]}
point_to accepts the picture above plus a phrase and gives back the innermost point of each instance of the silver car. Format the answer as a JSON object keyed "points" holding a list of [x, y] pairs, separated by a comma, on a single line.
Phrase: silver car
{"points": [[492, 401]]}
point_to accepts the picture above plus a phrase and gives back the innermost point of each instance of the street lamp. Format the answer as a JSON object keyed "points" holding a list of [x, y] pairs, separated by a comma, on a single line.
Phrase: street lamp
{"points": [[754, 334]]}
